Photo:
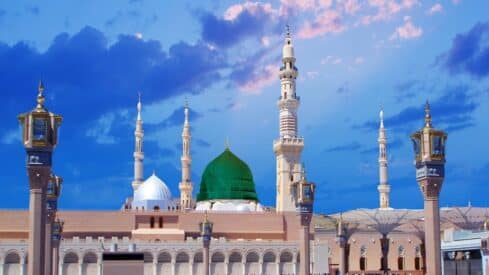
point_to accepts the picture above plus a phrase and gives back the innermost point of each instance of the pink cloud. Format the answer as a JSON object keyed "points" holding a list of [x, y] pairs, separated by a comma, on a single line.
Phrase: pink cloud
{"points": [[252, 7], [435, 9], [386, 9], [328, 21], [351, 6], [260, 79], [407, 31]]}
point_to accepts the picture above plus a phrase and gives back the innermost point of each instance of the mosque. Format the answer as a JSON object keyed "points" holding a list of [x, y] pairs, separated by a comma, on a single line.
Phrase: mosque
{"points": [[165, 234]]}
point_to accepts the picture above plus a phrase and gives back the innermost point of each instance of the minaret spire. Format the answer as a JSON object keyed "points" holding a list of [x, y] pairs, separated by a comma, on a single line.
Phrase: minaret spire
{"points": [[186, 185], [138, 150], [289, 146], [383, 187]]}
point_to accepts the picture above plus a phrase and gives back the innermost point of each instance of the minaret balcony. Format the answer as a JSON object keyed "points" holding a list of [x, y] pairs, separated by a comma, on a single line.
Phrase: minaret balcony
{"points": [[294, 144]]}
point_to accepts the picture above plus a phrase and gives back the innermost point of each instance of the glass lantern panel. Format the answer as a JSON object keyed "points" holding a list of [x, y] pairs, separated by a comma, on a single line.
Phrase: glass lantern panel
{"points": [[437, 145], [416, 146], [40, 129]]}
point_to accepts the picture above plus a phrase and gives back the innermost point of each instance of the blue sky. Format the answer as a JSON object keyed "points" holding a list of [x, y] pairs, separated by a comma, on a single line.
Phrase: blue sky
{"points": [[352, 55]]}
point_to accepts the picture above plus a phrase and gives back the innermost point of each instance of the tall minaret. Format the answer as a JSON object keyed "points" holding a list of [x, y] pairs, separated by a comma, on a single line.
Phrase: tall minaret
{"points": [[289, 146], [138, 151], [383, 187], [186, 186]]}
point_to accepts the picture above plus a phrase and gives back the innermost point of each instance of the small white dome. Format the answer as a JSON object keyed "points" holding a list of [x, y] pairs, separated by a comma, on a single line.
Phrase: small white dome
{"points": [[153, 192]]}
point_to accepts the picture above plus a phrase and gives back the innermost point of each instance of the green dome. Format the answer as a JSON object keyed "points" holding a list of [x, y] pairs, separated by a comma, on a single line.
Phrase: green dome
{"points": [[227, 178]]}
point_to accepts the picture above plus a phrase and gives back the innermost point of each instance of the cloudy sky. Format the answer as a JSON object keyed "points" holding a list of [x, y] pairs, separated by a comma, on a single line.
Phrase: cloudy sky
{"points": [[352, 55]]}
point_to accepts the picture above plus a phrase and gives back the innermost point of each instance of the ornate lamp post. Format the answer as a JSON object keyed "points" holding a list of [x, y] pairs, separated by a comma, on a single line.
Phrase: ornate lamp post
{"points": [[206, 233], [429, 150], [305, 201], [40, 136], [56, 239], [52, 194]]}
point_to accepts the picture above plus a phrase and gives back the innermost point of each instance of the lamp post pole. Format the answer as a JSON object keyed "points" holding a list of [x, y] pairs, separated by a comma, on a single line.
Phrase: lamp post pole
{"points": [[52, 193], [342, 242], [206, 233], [39, 137], [429, 149], [56, 239], [304, 206]]}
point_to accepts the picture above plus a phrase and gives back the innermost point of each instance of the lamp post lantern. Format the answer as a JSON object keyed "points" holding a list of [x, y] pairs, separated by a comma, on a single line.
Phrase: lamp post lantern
{"points": [[304, 205], [39, 136], [429, 151], [206, 233]]}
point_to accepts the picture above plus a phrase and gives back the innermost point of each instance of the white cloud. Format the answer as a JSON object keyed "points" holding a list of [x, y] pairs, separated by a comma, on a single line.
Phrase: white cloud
{"points": [[12, 136], [260, 79], [138, 35], [331, 60], [265, 41], [350, 6], [312, 74], [359, 60], [435, 9], [101, 129], [407, 31]]}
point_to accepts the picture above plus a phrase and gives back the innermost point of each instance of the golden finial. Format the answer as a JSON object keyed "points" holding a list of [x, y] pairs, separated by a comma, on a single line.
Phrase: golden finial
{"points": [[40, 96], [227, 143], [186, 103], [427, 117], [287, 30]]}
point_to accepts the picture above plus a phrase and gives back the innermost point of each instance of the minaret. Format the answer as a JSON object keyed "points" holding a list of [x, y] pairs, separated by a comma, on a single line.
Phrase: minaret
{"points": [[383, 187], [186, 185], [138, 151], [289, 146]]}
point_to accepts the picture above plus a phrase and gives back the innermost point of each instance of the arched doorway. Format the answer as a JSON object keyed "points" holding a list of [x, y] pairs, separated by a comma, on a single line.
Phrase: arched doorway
{"points": [[269, 263], [252, 263], [217, 263], [182, 264], [286, 266], [236, 263], [70, 264], [164, 263], [12, 264]]}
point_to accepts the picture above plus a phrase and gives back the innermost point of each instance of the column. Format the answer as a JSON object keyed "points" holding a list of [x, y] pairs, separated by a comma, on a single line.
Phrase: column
{"points": [[261, 266], [342, 263], [37, 227], [173, 266], [191, 263], [432, 236], [155, 264], [80, 265], [61, 266], [22, 266], [55, 262], [99, 265], [226, 266], [243, 264], [48, 247], [206, 260], [277, 264], [304, 251], [1, 268]]}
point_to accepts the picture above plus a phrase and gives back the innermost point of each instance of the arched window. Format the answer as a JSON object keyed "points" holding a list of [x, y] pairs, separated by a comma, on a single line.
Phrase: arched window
{"points": [[152, 222], [363, 257], [400, 259], [160, 222], [156, 208], [363, 263], [417, 263], [235, 257]]}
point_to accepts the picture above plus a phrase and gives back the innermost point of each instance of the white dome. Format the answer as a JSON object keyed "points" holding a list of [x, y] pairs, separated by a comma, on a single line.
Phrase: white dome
{"points": [[153, 192]]}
